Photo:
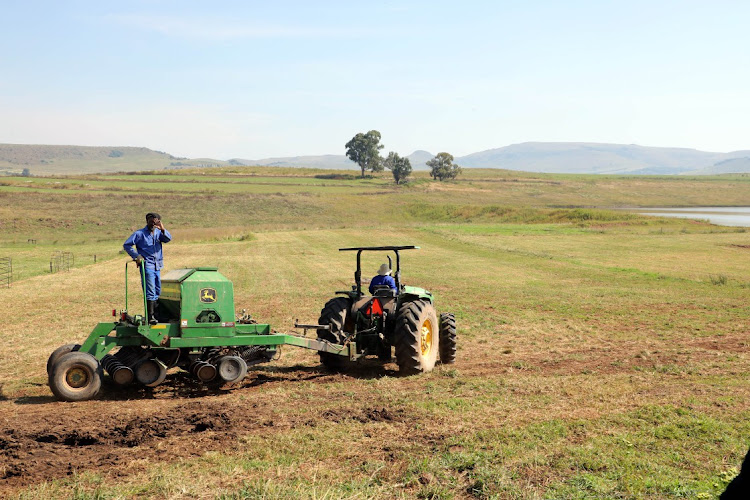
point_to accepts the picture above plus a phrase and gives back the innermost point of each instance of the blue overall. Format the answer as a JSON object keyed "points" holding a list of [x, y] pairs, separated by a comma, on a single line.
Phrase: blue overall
{"points": [[148, 246], [382, 281]]}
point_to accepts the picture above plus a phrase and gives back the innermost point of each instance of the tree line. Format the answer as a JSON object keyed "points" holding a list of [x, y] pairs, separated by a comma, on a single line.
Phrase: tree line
{"points": [[364, 150]]}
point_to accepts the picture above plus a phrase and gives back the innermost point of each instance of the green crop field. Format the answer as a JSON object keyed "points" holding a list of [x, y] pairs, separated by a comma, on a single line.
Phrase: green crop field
{"points": [[601, 354]]}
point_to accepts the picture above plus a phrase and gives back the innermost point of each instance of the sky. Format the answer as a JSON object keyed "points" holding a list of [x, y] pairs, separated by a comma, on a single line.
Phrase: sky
{"points": [[252, 80]]}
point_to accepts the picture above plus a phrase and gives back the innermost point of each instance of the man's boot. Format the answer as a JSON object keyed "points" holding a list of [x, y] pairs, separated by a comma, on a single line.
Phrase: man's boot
{"points": [[152, 312]]}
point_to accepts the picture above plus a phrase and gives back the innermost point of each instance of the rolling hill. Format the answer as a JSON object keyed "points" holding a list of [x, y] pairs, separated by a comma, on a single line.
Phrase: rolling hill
{"points": [[549, 157], [595, 158], [560, 157], [731, 166], [42, 159]]}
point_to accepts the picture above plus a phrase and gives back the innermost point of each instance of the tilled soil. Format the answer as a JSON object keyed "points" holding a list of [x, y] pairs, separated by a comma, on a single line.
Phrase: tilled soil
{"points": [[122, 431], [42, 439]]}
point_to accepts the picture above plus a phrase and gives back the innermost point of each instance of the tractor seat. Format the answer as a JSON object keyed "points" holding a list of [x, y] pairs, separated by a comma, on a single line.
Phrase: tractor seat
{"points": [[384, 291]]}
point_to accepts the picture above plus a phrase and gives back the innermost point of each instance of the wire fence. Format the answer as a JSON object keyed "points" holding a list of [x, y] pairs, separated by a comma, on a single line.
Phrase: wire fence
{"points": [[6, 271], [61, 261]]}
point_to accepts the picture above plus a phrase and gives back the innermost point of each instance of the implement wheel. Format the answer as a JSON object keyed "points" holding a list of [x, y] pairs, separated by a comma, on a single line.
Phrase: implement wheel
{"points": [[447, 338], [334, 314], [65, 349], [150, 372], [232, 369], [417, 337], [75, 377]]}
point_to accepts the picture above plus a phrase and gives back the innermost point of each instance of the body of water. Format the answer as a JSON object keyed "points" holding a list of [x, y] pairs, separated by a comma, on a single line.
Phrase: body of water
{"points": [[722, 216]]}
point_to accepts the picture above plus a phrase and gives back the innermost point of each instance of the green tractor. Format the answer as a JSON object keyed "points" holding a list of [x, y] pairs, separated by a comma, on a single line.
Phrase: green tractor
{"points": [[403, 319], [197, 330]]}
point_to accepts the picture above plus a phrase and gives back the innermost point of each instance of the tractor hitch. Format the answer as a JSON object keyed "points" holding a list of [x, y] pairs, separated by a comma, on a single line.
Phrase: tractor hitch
{"points": [[311, 327]]}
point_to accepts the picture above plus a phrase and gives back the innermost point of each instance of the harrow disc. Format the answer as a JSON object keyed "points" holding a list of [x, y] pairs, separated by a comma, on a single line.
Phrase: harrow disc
{"points": [[232, 369], [150, 372], [205, 371]]}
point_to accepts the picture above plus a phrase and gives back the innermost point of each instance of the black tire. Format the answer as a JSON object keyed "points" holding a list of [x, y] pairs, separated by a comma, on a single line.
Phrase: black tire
{"points": [[65, 349], [334, 314], [417, 337], [447, 338], [75, 377]]}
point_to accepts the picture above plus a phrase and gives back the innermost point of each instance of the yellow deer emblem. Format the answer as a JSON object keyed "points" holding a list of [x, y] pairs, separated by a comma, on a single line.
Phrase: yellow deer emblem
{"points": [[208, 295]]}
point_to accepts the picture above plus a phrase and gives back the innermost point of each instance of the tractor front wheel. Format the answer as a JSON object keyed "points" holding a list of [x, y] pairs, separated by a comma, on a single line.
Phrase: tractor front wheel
{"points": [[417, 337], [75, 376], [447, 338], [334, 314]]}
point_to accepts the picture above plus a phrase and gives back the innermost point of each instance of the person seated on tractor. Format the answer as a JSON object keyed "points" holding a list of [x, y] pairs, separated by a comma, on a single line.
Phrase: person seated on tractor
{"points": [[382, 279]]}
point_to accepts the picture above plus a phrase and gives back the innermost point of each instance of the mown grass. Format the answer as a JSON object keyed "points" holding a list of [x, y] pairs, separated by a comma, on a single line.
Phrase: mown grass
{"points": [[598, 355]]}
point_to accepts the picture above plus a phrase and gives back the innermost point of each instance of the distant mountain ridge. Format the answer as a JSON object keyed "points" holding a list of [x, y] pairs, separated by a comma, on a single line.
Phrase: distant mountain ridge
{"points": [[321, 161], [45, 159], [543, 157], [32, 154], [596, 158], [561, 157], [730, 166], [417, 158]]}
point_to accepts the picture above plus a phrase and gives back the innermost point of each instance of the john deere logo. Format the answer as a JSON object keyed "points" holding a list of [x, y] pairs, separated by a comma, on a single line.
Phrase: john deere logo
{"points": [[208, 295]]}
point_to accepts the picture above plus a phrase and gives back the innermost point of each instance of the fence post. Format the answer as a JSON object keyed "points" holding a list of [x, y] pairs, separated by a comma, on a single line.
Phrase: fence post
{"points": [[6, 270]]}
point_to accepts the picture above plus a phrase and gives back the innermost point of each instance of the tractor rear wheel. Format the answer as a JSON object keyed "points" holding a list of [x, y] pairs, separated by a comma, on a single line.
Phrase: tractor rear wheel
{"points": [[447, 338], [417, 337], [75, 377], [65, 349], [334, 314]]}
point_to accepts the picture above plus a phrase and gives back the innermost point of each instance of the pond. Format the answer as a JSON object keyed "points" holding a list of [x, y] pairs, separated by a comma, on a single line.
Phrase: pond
{"points": [[722, 216]]}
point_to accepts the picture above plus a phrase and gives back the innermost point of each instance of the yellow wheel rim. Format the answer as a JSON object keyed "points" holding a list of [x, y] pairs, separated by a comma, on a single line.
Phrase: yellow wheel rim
{"points": [[77, 377], [426, 340]]}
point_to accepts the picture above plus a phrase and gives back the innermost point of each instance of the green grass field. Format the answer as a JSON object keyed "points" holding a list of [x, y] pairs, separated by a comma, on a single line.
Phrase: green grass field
{"points": [[601, 354]]}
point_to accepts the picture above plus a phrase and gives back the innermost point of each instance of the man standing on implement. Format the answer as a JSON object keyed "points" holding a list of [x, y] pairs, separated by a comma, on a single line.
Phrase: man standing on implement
{"points": [[148, 254]]}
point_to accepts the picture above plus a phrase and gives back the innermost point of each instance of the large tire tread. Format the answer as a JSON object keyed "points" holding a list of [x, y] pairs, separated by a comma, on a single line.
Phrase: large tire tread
{"points": [[409, 321], [334, 314], [447, 338]]}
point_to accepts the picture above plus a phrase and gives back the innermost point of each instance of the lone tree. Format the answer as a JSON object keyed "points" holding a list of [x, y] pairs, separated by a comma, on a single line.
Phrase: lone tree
{"points": [[363, 150], [400, 167], [442, 167]]}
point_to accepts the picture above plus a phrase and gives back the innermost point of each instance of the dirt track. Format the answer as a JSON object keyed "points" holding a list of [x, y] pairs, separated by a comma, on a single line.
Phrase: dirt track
{"points": [[42, 439]]}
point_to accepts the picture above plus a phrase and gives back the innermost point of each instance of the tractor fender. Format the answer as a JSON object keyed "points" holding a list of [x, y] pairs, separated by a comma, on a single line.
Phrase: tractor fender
{"points": [[411, 293]]}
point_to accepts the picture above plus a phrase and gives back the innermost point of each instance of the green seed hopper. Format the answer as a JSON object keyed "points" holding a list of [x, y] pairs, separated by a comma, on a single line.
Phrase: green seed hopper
{"points": [[197, 331]]}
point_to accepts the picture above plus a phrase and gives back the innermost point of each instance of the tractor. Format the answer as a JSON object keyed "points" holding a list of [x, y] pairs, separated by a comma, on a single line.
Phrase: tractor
{"points": [[197, 331], [403, 320]]}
